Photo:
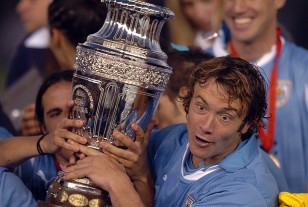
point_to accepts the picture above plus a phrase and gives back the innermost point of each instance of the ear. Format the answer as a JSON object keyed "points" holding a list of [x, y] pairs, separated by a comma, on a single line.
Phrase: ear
{"points": [[245, 128], [183, 91], [279, 4], [55, 37]]}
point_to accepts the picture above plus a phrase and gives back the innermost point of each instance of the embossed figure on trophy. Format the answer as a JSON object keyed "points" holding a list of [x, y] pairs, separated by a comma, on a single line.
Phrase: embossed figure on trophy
{"points": [[120, 74], [82, 108]]}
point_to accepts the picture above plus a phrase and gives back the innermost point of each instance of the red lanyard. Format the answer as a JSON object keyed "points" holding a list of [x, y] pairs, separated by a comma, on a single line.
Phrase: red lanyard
{"points": [[267, 139], [57, 164]]}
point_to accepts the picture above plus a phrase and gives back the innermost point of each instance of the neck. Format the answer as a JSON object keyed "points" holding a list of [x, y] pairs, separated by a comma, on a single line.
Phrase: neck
{"points": [[254, 50]]}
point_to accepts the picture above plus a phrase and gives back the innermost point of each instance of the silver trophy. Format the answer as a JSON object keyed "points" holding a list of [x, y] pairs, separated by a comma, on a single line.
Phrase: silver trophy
{"points": [[120, 75]]}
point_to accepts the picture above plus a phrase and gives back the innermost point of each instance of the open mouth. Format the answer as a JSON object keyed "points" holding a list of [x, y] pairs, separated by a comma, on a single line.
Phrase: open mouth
{"points": [[202, 142], [242, 21]]}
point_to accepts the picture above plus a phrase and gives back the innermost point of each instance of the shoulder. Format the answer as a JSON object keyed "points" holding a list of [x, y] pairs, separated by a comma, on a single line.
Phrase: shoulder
{"points": [[237, 193], [164, 142], [168, 134], [13, 191], [295, 54]]}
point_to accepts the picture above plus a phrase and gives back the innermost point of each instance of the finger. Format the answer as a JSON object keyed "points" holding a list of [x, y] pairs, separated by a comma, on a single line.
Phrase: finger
{"points": [[30, 107], [30, 123], [125, 140], [73, 159], [148, 130], [110, 149], [64, 134], [70, 123], [139, 132], [76, 171], [70, 103], [88, 151], [29, 115], [126, 163]]}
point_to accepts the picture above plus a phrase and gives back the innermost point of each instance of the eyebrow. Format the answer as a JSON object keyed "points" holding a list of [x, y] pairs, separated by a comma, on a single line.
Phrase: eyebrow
{"points": [[224, 109], [54, 110]]}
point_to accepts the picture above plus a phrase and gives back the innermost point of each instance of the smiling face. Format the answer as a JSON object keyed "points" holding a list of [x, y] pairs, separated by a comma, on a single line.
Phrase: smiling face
{"points": [[251, 20], [213, 124]]}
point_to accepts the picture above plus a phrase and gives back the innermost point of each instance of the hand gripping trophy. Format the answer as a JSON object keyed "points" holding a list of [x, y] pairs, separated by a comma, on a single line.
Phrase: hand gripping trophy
{"points": [[120, 74]]}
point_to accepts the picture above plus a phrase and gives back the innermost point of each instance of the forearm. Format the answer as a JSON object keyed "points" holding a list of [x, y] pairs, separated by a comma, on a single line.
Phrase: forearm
{"points": [[145, 188], [123, 194], [15, 150]]}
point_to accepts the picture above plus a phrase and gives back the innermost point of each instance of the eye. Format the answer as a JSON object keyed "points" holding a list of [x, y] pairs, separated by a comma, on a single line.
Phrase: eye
{"points": [[225, 117], [54, 113], [200, 108]]}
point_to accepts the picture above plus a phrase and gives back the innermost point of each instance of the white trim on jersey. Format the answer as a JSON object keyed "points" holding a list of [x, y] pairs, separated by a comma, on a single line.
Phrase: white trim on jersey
{"points": [[199, 173], [39, 39], [219, 50]]}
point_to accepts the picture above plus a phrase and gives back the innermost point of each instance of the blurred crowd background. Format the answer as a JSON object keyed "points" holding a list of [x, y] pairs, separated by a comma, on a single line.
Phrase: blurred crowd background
{"points": [[293, 16]]}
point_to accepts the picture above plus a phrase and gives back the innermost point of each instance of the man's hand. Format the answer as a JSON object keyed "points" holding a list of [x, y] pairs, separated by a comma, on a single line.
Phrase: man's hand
{"points": [[29, 125]]}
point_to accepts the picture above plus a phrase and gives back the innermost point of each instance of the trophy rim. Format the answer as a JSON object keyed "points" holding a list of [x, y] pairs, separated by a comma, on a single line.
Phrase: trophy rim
{"points": [[143, 7]]}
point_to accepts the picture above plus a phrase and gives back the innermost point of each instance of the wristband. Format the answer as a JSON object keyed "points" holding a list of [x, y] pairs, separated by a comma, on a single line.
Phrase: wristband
{"points": [[38, 146]]}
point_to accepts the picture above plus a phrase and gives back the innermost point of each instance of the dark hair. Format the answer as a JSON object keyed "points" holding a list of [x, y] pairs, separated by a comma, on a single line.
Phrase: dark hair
{"points": [[77, 18], [66, 75], [241, 80], [183, 64]]}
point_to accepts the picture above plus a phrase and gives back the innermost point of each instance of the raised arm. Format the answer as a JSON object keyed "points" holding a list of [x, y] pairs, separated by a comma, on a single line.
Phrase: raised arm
{"points": [[17, 149], [134, 158]]}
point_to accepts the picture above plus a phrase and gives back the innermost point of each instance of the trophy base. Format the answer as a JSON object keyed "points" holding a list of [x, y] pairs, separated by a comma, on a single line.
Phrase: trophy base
{"points": [[75, 193]]}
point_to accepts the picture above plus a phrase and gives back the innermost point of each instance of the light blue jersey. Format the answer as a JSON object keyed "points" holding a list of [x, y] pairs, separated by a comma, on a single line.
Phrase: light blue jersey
{"points": [[241, 179], [37, 173], [13, 192], [291, 127]]}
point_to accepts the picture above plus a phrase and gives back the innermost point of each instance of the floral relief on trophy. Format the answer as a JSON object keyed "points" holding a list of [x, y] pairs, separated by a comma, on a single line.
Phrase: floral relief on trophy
{"points": [[115, 68]]}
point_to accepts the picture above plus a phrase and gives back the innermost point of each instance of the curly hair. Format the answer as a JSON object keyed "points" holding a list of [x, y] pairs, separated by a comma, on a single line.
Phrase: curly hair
{"points": [[241, 80], [182, 63]]}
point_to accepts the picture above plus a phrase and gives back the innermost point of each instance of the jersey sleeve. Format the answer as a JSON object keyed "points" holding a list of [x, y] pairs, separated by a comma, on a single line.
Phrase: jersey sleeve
{"points": [[13, 192], [236, 194]]}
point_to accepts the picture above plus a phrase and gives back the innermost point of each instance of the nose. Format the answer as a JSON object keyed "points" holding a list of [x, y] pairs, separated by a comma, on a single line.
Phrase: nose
{"points": [[207, 125], [239, 6]]}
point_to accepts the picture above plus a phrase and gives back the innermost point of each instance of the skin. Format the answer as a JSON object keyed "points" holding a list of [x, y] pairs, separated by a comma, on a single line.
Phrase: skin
{"points": [[29, 125], [129, 186], [253, 25], [33, 13], [169, 112], [199, 13], [55, 111], [213, 133], [63, 49], [213, 124], [56, 124]]}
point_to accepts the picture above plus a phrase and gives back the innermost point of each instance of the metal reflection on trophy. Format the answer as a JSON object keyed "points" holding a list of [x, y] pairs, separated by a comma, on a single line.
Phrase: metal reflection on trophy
{"points": [[120, 71], [120, 75]]}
